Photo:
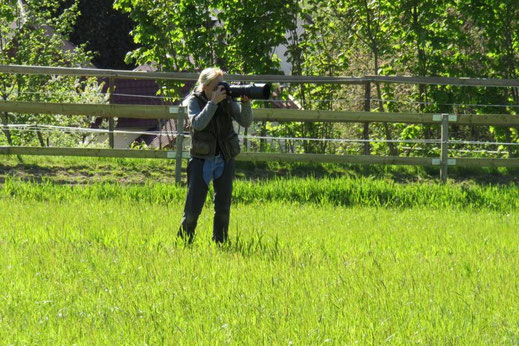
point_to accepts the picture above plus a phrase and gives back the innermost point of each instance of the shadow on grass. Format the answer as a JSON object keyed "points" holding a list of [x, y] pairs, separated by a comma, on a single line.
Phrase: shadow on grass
{"points": [[140, 172], [398, 174]]}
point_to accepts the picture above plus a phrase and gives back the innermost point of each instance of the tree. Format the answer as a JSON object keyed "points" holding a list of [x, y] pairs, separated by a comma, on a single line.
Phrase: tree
{"points": [[452, 38], [104, 31], [495, 23], [370, 25], [460, 38], [34, 35], [314, 48], [189, 35]]}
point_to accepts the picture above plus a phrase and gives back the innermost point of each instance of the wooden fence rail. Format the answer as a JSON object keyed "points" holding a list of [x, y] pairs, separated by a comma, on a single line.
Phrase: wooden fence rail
{"points": [[97, 110], [260, 114], [264, 114], [187, 76], [250, 157]]}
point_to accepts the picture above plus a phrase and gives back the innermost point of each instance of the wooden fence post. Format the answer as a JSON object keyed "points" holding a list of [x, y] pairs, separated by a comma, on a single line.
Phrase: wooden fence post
{"points": [[180, 143], [111, 122], [367, 108]]}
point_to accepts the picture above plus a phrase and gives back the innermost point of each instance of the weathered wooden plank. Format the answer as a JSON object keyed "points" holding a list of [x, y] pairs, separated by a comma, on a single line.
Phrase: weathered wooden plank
{"points": [[462, 81], [371, 159], [324, 158], [260, 114], [177, 76], [188, 76], [158, 154], [247, 156], [92, 72], [180, 144], [282, 115], [488, 119], [88, 152], [286, 115], [98, 110], [486, 162]]}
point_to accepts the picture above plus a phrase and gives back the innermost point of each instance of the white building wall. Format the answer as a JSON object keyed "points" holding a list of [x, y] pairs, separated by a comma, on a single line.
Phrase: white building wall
{"points": [[280, 50]]}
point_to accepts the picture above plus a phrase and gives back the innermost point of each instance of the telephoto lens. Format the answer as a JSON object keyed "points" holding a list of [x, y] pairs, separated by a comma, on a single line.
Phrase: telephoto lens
{"points": [[253, 91]]}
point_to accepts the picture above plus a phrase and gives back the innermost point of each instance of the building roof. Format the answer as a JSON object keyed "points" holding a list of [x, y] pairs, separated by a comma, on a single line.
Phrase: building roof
{"points": [[144, 92]]}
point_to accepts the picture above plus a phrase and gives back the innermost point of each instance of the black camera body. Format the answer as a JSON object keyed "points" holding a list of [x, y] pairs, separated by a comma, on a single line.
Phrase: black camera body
{"points": [[252, 91]]}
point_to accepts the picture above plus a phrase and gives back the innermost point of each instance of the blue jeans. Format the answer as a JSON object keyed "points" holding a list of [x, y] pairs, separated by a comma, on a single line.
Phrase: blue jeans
{"points": [[200, 172]]}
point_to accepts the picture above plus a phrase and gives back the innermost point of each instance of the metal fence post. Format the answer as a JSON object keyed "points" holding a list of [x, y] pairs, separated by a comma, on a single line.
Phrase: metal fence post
{"points": [[444, 160], [444, 155], [180, 143], [111, 122], [367, 108]]}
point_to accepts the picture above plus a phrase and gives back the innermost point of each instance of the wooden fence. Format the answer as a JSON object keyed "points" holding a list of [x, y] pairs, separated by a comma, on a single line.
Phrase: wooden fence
{"points": [[265, 114]]}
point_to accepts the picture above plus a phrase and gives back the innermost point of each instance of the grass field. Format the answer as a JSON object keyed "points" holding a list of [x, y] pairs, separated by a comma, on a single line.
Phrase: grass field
{"points": [[333, 261], [88, 170]]}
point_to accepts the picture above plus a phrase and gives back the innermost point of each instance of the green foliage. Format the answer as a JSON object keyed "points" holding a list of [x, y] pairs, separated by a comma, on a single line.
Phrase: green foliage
{"points": [[342, 37], [37, 37], [191, 35], [347, 191], [104, 31], [452, 38]]}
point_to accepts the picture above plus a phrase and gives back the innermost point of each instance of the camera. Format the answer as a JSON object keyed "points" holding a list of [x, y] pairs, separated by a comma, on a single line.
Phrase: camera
{"points": [[253, 91]]}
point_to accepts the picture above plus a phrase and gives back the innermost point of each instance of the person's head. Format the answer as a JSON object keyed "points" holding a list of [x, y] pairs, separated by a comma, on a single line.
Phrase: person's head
{"points": [[208, 80]]}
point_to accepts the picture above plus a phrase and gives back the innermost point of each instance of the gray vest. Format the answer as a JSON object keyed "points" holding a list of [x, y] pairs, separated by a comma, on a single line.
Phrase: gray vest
{"points": [[219, 132]]}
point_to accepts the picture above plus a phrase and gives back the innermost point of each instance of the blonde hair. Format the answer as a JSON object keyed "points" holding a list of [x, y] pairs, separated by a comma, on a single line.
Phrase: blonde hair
{"points": [[207, 76]]}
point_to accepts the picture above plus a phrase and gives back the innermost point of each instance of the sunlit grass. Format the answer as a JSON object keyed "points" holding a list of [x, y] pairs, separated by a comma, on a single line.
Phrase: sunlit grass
{"points": [[102, 264], [346, 191]]}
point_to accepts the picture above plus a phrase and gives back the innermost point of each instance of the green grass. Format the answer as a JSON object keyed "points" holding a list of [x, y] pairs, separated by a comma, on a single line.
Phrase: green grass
{"points": [[345, 191], [321, 262], [85, 170]]}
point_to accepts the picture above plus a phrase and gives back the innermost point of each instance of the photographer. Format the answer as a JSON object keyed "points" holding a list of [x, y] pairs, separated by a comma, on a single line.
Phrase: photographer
{"points": [[214, 145]]}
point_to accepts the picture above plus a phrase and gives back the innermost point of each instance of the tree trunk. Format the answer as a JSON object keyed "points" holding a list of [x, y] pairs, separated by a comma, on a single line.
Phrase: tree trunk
{"points": [[263, 133], [387, 130], [5, 121], [374, 50], [40, 138]]}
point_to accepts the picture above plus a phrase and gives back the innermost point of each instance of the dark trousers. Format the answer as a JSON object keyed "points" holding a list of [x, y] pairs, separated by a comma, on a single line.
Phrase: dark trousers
{"points": [[195, 199]]}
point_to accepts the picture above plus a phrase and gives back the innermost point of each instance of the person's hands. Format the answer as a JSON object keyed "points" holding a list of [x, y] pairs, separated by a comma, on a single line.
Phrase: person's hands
{"points": [[245, 98], [219, 94]]}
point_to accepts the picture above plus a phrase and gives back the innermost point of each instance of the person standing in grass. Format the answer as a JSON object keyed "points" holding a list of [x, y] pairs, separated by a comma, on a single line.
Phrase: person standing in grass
{"points": [[214, 145]]}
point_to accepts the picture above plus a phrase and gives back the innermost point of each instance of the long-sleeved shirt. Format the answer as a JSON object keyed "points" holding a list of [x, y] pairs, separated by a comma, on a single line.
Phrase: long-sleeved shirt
{"points": [[200, 118]]}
